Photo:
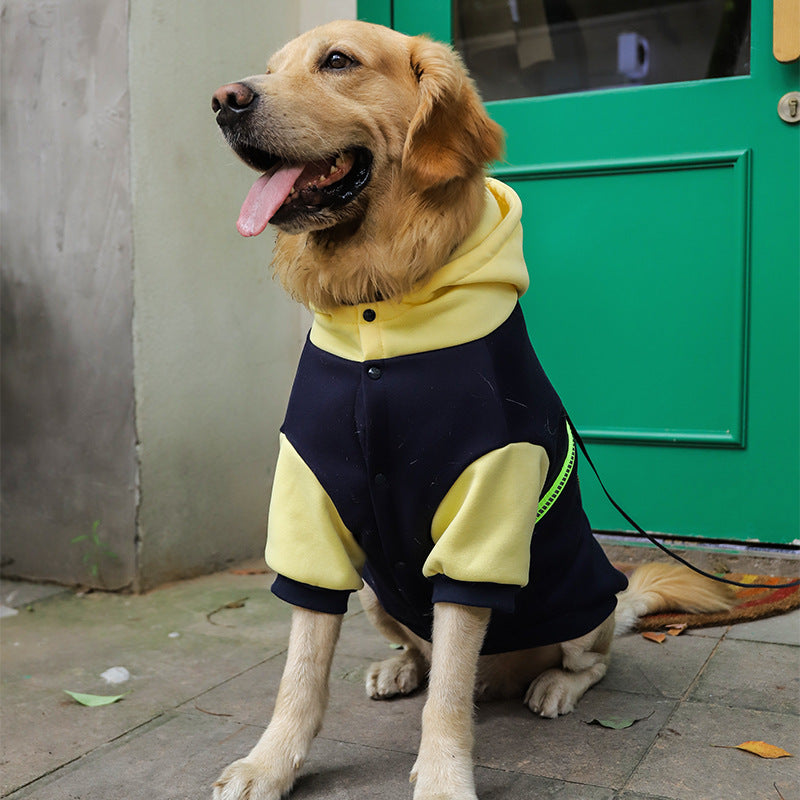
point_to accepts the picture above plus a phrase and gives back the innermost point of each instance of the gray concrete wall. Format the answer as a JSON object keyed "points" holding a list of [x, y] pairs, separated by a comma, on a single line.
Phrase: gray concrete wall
{"points": [[68, 458], [215, 338], [147, 354]]}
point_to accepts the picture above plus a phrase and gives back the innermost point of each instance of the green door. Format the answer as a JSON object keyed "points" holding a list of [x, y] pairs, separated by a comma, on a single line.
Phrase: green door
{"points": [[662, 213]]}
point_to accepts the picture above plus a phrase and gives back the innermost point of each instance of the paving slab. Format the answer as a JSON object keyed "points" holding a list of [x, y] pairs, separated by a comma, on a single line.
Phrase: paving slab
{"points": [[665, 670], [746, 675], [18, 594], [174, 757], [782, 629], [67, 642], [178, 756], [714, 632], [352, 717], [200, 699], [690, 758], [508, 736], [492, 784], [344, 771]]}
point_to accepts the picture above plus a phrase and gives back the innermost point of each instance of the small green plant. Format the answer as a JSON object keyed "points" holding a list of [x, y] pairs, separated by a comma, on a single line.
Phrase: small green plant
{"points": [[96, 550]]}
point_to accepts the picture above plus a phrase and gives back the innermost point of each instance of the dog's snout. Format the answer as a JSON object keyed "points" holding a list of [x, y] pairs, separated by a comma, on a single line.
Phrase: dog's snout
{"points": [[231, 100]]}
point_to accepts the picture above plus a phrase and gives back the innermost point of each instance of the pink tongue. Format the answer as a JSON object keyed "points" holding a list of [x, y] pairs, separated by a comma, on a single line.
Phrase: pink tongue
{"points": [[265, 197]]}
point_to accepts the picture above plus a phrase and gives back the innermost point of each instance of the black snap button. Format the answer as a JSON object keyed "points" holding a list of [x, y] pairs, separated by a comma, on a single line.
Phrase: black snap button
{"points": [[369, 315], [374, 373], [381, 479]]}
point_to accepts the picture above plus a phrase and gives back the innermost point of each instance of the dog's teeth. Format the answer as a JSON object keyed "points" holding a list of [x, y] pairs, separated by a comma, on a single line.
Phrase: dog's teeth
{"points": [[334, 167]]}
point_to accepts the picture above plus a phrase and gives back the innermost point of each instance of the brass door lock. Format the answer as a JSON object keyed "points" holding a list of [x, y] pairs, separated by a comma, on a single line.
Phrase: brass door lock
{"points": [[789, 108]]}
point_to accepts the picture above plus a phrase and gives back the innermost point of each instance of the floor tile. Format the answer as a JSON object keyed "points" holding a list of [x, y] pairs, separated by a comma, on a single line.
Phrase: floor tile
{"points": [[351, 717], [17, 594], [43, 728], [509, 736], [201, 698], [666, 670], [783, 629], [175, 757], [691, 759], [745, 675], [493, 784], [636, 796]]}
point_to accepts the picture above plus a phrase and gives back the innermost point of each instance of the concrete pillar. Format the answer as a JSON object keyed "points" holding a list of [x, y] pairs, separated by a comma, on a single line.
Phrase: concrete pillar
{"points": [[146, 352]]}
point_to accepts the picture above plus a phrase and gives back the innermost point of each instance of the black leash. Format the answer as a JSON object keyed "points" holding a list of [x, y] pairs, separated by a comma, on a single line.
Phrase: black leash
{"points": [[655, 541]]}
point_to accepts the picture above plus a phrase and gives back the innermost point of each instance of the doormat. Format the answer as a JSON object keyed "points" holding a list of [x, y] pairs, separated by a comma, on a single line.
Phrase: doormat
{"points": [[751, 604]]}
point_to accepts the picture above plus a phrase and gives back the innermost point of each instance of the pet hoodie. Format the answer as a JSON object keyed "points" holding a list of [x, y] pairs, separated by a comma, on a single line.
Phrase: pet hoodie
{"points": [[425, 452]]}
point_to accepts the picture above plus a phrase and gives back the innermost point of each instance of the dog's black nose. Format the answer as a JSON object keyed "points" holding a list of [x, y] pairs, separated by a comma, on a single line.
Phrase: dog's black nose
{"points": [[232, 100]]}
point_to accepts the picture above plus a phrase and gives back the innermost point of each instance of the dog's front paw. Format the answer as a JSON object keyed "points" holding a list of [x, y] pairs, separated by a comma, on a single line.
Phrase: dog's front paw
{"points": [[401, 674], [439, 787], [552, 693], [443, 773], [249, 780]]}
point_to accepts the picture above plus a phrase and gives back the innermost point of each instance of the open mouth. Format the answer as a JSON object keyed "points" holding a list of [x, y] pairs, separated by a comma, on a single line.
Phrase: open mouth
{"points": [[288, 191]]}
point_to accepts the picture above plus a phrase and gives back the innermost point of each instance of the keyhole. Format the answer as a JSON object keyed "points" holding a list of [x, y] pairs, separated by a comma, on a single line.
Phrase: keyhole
{"points": [[789, 108]]}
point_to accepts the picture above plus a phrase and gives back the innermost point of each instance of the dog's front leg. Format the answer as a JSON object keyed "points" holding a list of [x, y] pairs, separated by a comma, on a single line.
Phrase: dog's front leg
{"points": [[443, 770], [269, 770]]}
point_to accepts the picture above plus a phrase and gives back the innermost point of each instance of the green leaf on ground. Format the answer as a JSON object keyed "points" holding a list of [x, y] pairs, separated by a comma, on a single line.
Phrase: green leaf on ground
{"points": [[94, 700], [617, 723]]}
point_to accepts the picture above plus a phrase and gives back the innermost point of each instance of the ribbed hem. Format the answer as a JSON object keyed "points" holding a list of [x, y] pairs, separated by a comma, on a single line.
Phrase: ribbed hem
{"points": [[497, 596], [314, 598]]}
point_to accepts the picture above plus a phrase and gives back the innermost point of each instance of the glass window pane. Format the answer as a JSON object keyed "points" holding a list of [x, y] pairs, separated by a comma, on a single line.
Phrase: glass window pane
{"points": [[526, 48]]}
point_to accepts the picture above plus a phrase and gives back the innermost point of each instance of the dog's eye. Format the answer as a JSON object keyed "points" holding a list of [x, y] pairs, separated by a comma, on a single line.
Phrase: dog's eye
{"points": [[337, 60]]}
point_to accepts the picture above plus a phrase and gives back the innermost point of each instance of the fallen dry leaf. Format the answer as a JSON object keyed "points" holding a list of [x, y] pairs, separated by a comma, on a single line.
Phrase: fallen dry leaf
{"points": [[677, 629], [232, 604], [658, 638], [615, 723], [212, 713], [763, 749]]}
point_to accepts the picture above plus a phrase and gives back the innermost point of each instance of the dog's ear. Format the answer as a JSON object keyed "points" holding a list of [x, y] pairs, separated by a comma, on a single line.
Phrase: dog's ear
{"points": [[451, 135]]}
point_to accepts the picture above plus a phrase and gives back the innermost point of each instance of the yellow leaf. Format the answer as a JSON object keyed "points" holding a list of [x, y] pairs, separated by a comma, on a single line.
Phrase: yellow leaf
{"points": [[763, 749], [658, 638]]}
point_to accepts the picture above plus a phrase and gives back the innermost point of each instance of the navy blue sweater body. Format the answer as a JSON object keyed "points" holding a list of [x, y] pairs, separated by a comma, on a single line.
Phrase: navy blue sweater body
{"points": [[387, 439]]}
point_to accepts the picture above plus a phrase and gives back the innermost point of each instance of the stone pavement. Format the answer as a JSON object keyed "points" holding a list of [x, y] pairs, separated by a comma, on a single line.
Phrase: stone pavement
{"points": [[203, 680]]}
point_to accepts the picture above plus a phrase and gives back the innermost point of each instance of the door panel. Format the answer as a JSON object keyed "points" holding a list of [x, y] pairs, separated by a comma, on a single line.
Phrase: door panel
{"points": [[667, 359], [661, 235]]}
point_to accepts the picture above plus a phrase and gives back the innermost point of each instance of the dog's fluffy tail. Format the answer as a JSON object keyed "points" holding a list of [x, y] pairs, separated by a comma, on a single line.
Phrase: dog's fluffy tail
{"points": [[668, 587]]}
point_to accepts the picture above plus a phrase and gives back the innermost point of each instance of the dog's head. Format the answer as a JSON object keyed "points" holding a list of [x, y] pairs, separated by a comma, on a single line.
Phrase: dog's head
{"points": [[347, 117]]}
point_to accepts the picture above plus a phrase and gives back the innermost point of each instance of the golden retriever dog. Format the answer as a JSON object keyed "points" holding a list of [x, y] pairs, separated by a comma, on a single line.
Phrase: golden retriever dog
{"points": [[423, 449]]}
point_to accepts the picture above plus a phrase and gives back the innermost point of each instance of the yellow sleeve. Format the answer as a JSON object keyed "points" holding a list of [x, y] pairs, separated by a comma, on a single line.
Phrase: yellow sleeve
{"points": [[306, 538], [482, 529]]}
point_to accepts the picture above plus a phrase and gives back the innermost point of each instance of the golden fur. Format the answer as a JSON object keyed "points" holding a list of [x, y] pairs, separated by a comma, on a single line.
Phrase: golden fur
{"points": [[413, 106]]}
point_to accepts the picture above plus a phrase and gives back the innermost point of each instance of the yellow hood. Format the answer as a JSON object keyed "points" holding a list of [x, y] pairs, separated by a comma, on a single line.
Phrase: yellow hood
{"points": [[465, 300]]}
